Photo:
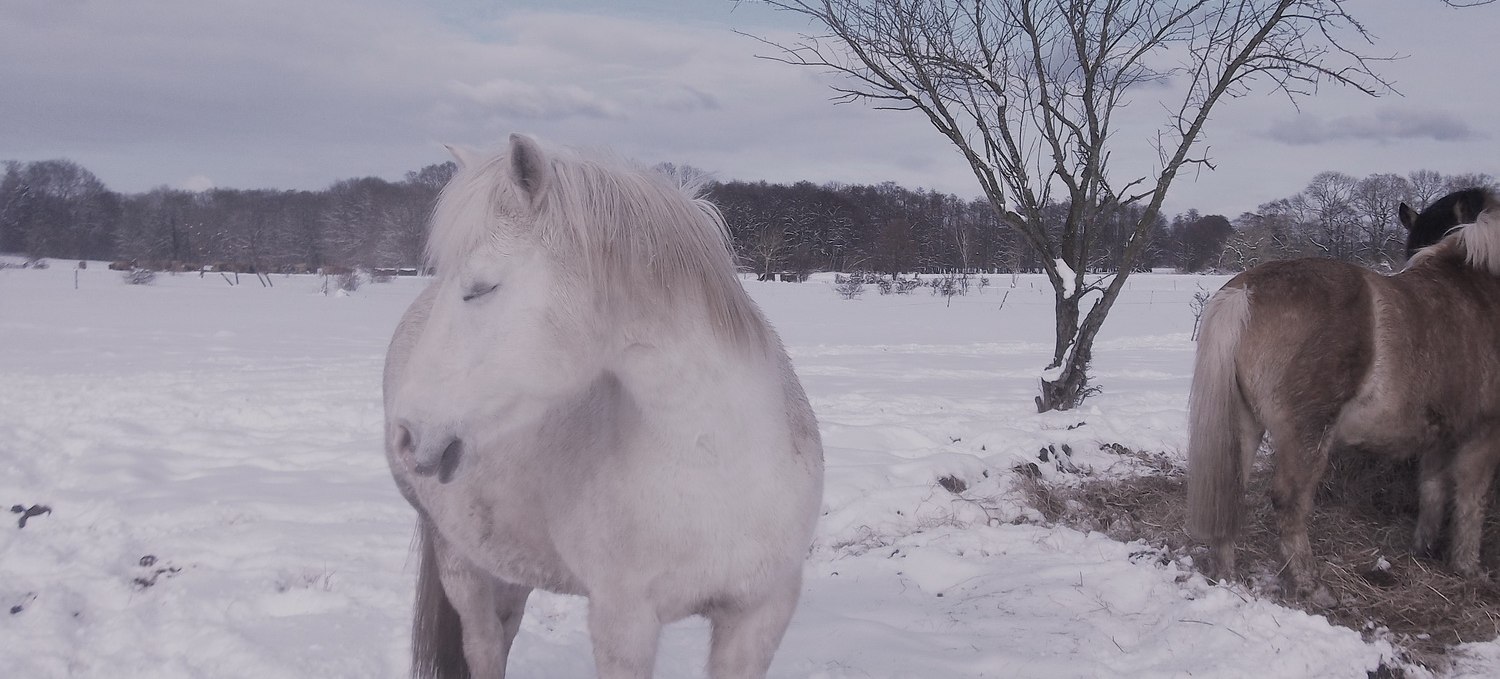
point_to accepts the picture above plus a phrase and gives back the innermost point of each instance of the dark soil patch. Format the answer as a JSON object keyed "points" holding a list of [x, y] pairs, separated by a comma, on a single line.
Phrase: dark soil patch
{"points": [[151, 573], [27, 513]]}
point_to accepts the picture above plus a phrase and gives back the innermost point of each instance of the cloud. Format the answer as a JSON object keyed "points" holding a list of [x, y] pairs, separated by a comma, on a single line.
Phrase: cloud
{"points": [[676, 97], [196, 183], [1384, 125], [514, 98], [297, 94], [300, 93]]}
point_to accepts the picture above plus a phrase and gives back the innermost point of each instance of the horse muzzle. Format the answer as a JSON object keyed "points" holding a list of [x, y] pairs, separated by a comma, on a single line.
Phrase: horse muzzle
{"points": [[429, 452]]}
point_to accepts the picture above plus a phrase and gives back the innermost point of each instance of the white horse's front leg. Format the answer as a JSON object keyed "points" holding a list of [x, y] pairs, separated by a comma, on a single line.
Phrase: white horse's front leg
{"points": [[624, 631], [489, 610], [745, 636]]}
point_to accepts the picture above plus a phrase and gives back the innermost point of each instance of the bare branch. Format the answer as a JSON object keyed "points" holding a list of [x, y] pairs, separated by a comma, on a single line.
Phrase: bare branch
{"points": [[1027, 90]]}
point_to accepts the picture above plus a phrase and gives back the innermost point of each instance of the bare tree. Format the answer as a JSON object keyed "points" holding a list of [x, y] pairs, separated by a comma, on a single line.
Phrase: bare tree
{"points": [[1375, 201], [1026, 90], [56, 208], [1469, 180], [1326, 210], [1426, 186], [767, 248], [1269, 234]]}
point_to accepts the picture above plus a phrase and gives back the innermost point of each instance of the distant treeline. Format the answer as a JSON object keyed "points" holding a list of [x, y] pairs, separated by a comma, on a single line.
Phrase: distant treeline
{"points": [[1339, 217], [58, 209]]}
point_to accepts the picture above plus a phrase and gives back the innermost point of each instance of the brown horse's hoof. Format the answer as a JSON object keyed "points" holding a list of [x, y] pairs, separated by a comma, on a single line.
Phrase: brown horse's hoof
{"points": [[1221, 563], [1471, 571], [1307, 589], [1322, 597]]}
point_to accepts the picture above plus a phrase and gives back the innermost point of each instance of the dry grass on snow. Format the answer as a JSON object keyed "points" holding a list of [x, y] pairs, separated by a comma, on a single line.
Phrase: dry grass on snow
{"points": [[1361, 536]]}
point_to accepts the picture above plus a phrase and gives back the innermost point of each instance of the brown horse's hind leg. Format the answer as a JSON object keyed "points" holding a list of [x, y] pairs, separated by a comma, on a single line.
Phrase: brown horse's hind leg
{"points": [[1432, 489], [1473, 470], [1298, 470]]}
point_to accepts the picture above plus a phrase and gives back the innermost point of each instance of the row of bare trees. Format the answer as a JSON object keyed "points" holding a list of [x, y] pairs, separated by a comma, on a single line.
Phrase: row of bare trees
{"points": [[57, 208], [1340, 217], [885, 228]]}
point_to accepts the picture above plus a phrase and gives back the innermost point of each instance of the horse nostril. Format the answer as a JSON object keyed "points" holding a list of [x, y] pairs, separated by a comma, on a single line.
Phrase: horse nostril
{"points": [[430, 453], [405, 442], [448, 461]]}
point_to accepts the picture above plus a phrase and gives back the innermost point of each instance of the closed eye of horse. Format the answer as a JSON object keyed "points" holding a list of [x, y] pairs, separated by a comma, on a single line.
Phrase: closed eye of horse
{"points": [[480, 291]]}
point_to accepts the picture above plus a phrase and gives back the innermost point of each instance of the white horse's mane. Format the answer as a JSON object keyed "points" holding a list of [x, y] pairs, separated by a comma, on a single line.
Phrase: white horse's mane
{"points": [[625, 227], [1479, 243]]}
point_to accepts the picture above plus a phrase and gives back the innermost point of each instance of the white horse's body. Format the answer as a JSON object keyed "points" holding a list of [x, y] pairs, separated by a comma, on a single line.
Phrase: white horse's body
{"points": [[585, 401]]}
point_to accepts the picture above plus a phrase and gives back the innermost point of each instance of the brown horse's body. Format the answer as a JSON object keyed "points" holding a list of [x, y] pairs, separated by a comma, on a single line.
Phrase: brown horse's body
{"points": [[1324, 355]]}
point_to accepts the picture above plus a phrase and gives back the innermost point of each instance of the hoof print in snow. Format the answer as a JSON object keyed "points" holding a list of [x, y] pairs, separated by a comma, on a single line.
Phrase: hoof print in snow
{"points": [[148, 579], [1063, 460], [29, 512], [953, 484], [1155, 557], [17, 608], [1028, 470]]}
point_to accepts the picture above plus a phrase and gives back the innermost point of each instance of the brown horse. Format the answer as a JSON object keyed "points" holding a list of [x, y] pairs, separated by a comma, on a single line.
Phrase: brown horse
{"points": [[1325, 355]]}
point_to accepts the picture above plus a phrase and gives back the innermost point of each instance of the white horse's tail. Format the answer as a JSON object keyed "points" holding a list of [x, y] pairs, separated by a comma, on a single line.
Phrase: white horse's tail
{"points": [[437, 646], [1218, 462]]}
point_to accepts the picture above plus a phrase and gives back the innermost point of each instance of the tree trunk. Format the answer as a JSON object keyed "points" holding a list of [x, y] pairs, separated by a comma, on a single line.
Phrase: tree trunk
{"points": [[1066, 313], [1072, 385]]}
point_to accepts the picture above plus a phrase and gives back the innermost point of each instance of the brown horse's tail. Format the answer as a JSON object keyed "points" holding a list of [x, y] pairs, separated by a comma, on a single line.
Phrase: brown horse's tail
{"points": [[1217, 422], [437, 645]]}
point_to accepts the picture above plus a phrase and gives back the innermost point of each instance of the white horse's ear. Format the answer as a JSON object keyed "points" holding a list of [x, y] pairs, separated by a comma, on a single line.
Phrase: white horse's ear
{"points": [[529, 166], [465, 157]]}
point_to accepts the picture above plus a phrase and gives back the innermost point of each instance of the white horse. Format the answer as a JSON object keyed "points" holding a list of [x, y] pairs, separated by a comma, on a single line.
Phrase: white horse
{"points": [[586, 401]]}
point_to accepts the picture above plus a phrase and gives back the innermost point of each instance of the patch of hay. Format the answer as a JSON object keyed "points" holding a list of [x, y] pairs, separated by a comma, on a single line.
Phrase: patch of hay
{"points": [[1361, 537]]}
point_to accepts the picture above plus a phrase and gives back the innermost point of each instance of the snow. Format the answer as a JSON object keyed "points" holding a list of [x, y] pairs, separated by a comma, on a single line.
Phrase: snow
{"points": [[1066, 273], [233, 434]]}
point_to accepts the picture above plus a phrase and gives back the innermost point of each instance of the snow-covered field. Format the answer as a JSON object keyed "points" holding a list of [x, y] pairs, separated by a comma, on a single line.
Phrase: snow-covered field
{"points": [[221, 507]]}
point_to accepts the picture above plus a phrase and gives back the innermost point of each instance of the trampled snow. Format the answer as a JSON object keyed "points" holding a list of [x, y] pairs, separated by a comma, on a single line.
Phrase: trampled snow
{"points": [[220, 506]]}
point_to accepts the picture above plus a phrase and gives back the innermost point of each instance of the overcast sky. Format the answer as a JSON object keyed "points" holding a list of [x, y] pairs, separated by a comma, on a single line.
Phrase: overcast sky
{"points": [[300, 93]]}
